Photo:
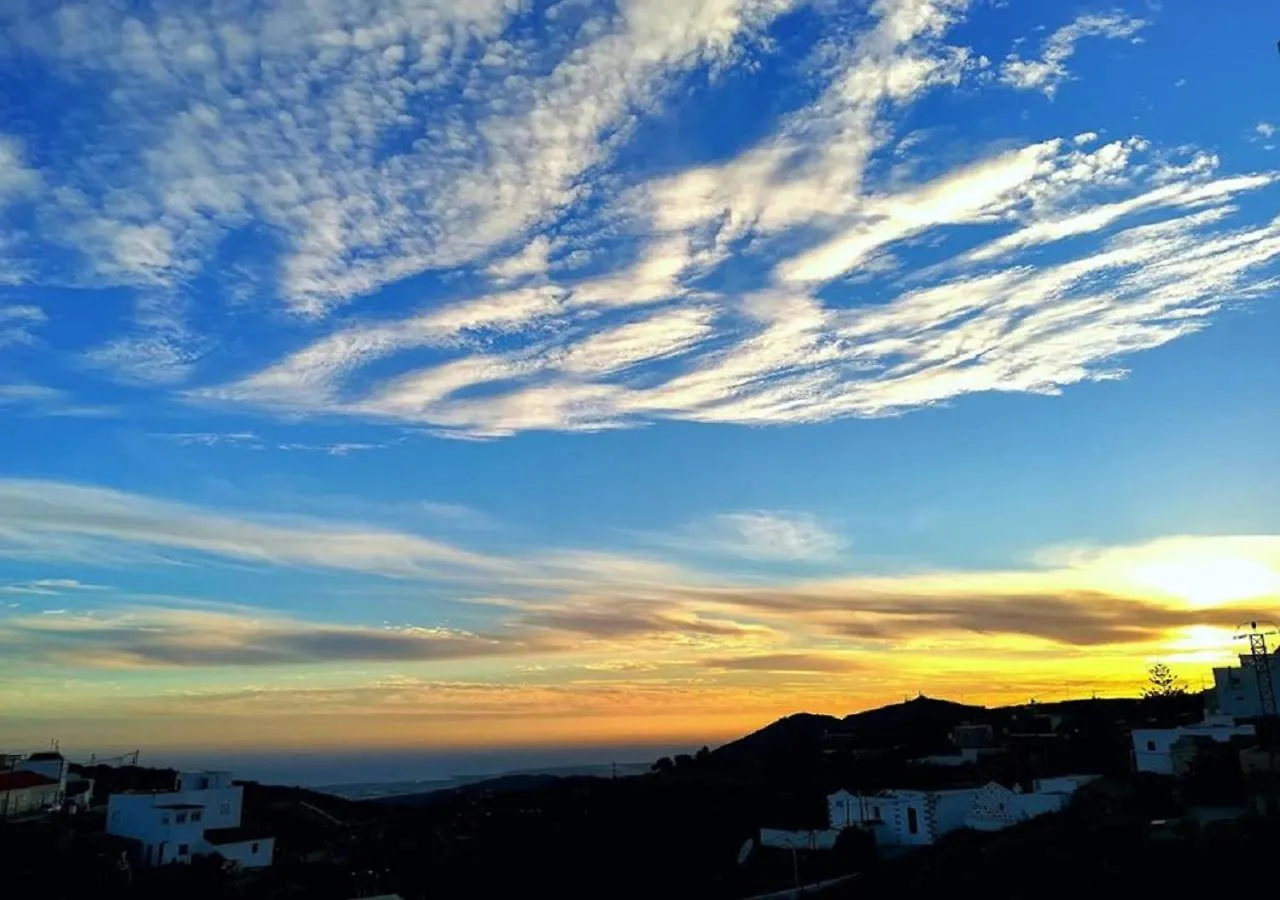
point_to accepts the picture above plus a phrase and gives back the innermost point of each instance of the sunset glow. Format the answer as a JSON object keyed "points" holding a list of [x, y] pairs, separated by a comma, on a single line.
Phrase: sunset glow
{"points": [[449, 374]]}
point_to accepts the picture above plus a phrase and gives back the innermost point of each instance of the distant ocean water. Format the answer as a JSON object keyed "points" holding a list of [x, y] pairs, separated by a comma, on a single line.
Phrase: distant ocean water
{"points": [[369, 791], [390, 772]]}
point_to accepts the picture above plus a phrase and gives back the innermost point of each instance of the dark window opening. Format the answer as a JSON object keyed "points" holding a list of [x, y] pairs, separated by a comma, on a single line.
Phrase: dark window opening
{"points": [[253, 848], [183, 849], [1151, 745], [913, 824]]}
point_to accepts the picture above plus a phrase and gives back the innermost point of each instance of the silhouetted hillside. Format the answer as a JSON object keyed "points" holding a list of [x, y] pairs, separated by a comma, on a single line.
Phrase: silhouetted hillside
{"points": [[791, 734], [923, 721]]}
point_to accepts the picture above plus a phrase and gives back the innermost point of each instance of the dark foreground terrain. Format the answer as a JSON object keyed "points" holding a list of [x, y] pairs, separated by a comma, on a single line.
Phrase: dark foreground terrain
{"points": [[680, 831]]}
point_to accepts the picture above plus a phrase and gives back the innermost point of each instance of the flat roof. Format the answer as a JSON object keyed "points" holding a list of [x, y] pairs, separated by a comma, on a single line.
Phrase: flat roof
{"points": [[241, 834], [179, 806]]}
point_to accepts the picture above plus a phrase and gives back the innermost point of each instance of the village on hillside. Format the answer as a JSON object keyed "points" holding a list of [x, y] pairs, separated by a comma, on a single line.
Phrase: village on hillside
{"points": [[805, 804]]}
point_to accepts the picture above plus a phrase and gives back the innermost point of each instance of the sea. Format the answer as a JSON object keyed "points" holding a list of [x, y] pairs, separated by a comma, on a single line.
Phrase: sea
{"points": [[389, 773]]}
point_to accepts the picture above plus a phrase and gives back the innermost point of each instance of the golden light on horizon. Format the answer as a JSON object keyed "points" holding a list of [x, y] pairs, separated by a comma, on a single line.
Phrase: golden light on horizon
{"points": [[1205, 580]]}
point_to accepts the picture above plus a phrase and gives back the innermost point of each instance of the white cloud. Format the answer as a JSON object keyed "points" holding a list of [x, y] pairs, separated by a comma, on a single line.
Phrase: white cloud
{"points": [[41, 399], [305, 117], [532, 260], [766, 535], [799, 278], [1049, 72], [1265, 129], [18, 324], [49, 587], [37, 516]]}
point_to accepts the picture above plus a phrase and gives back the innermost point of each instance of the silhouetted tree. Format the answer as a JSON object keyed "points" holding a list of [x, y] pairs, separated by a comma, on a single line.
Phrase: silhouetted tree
{"points": [[1162, 683], [663, 764]]}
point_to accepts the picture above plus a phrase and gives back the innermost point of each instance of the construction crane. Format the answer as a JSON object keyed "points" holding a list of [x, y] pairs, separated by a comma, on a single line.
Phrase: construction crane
{"points": [[1260, 661]]}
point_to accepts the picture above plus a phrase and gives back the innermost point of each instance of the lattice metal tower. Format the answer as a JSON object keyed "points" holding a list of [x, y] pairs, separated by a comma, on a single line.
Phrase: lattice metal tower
{"points": [[1260, 661]]}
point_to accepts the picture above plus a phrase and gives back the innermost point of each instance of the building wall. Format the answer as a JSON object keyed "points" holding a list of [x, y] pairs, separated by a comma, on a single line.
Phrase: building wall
{"points": [[1153, 747], [21, 801], [163, 836], [256, 854], [953, 808], [1236, 688], [222, 805]]}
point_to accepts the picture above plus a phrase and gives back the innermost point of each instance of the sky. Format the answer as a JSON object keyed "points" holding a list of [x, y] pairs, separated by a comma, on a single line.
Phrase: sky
{"points": [[451, 375]]}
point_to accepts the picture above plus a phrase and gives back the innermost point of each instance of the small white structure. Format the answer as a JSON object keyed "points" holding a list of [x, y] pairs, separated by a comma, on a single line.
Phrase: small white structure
{"points": [[1153, 747], [201, 815]]}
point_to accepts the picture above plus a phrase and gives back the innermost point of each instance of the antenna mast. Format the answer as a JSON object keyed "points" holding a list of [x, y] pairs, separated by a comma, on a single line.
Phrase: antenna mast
{"points": [[1260, 661]]}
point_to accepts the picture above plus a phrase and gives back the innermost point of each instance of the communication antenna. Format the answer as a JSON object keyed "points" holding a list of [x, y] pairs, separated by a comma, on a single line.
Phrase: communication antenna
{"points": [[1260, 661]]}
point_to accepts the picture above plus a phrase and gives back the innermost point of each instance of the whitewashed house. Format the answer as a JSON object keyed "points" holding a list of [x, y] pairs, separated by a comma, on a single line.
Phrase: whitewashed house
{"points": [[903, 818], [915, 818], [1153, 748], [200, 816]]}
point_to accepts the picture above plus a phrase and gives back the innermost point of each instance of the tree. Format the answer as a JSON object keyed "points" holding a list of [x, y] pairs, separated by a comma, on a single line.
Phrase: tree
{"points": [[1162, 683], [663, 765]]}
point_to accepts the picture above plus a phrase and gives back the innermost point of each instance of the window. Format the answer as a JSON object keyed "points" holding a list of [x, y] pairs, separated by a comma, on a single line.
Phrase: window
{"points": [[1151, 745], [224, 808], [253, 848], [204, 784], [875, 812], [196, 816], [164, 820], [184, 849], [913, 823], [181, 818]]}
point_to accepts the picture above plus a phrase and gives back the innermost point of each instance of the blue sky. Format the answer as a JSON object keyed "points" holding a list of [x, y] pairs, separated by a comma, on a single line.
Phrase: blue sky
{"points": [[647, 368]]}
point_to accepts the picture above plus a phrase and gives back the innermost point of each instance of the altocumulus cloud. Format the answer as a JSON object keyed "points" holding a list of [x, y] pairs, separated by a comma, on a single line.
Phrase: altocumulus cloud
{"points": [[441, 140]]}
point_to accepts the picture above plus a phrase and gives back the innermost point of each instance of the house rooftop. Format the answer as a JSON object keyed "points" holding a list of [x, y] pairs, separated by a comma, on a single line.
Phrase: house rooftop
{"points": [[16, 781], [44, 756], [238, 835]]}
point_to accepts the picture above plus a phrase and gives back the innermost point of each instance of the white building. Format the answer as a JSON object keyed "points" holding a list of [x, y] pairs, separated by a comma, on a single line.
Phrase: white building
{"points": [[201, 815], [1153, 747], [902, 818], [1236, 689], [914, 818]]}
